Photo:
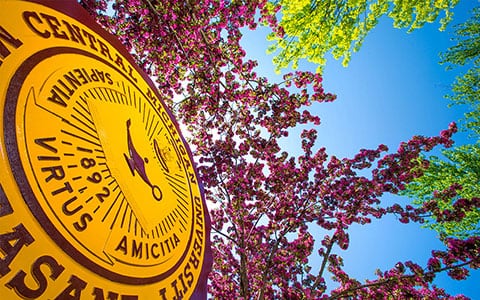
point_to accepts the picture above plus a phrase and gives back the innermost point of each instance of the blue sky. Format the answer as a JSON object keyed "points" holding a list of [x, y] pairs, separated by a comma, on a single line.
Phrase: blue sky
{"points": [[392, 89]]}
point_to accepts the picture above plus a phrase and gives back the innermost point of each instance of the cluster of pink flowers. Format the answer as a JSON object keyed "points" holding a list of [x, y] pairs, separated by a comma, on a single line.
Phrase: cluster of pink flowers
{"points": [[265, 201]]}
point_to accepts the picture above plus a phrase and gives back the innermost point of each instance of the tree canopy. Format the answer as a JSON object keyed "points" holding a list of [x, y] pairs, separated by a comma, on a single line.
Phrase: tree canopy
{"points": [[466, 52], [312, 29], [460, 167], [460, 170], [264, 201]]}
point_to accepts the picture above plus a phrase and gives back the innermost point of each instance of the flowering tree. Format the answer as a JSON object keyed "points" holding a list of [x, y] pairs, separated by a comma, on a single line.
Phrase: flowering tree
{"points": [[263, 200]]}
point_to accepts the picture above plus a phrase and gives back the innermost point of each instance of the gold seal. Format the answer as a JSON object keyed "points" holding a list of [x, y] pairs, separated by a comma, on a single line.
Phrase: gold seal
{"points": [[100, 195]]}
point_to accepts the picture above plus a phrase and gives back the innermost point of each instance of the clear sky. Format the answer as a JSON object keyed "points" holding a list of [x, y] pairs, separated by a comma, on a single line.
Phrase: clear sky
{"points": [[392, 89]]}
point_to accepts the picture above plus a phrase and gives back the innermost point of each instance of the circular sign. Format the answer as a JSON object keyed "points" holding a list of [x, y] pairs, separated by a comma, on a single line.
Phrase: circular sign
{"points": [[95, 157]]}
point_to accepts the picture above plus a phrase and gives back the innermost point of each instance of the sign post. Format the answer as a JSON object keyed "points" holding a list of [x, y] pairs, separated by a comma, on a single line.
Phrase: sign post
{"points": [[99, 198]]}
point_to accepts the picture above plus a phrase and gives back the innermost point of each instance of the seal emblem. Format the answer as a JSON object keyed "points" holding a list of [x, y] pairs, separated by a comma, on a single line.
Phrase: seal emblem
{"points": [[98, 159]]}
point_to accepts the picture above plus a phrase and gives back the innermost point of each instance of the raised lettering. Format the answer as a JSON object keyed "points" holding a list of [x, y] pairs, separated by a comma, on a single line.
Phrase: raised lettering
{"points": [[178, 293], [130, 73], [66, 187], [74, 31], [197, 246], [61, 92], [198, 213], [81, 76], [104, 50], [28, 16], [166, 242], [8, 38], [188, 275], [109, 78], [76, 286], [86, 75], [72, 80], [5, 207], [55, 97], [194, 260], [162, 293], [67, 88], [17, 283], [180, 277], [98, 293], [192, 178], [55, 172], [176, 240], [71, 212], [83, 223], [10, 249], [155, 254], [119, 62], [145, 250], [136, 250], [122, 245], [91, 39], [54, 26], [44, 143]]}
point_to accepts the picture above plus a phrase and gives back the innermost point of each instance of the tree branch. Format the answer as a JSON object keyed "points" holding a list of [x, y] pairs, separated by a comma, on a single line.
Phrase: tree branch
{"points": [[350, 292]]}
